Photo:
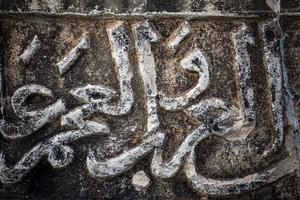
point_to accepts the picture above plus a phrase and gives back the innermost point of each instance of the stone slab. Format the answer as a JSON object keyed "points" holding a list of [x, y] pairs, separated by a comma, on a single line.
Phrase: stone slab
{"points": [[200, 105]]}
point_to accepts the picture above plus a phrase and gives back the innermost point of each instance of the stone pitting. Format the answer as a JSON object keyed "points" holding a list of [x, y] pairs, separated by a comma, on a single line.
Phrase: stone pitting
{"points": [[196, 101]]}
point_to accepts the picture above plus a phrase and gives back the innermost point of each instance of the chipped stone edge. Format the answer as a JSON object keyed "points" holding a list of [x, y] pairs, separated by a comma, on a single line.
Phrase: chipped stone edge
{"points": [[64, 64], [110, 15], [31, 49]]}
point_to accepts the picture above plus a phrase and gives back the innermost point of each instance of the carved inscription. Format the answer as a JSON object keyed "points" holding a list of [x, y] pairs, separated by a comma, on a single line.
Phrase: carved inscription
{"points": [[132, 47]]}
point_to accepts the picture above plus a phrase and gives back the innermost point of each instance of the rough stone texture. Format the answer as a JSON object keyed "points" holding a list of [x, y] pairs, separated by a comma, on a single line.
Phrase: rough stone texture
{"points": [[140, 181], [135, 6], [292, 36], [291, 7], [95, 91]]}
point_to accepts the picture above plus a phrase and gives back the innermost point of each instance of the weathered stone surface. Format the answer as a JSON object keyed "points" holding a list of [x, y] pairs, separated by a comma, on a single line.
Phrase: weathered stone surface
{"points": [[291, 7], [292, 63], [140, 181], [199, 103], [135, 6]]}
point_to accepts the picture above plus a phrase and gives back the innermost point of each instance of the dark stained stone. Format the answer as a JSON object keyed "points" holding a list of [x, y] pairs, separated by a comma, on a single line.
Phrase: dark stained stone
{"points": [[149, 99]]}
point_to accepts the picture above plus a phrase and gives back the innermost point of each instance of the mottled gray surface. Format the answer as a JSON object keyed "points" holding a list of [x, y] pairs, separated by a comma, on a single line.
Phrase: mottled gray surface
{"points": [[78, 33], [129, 6]]}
